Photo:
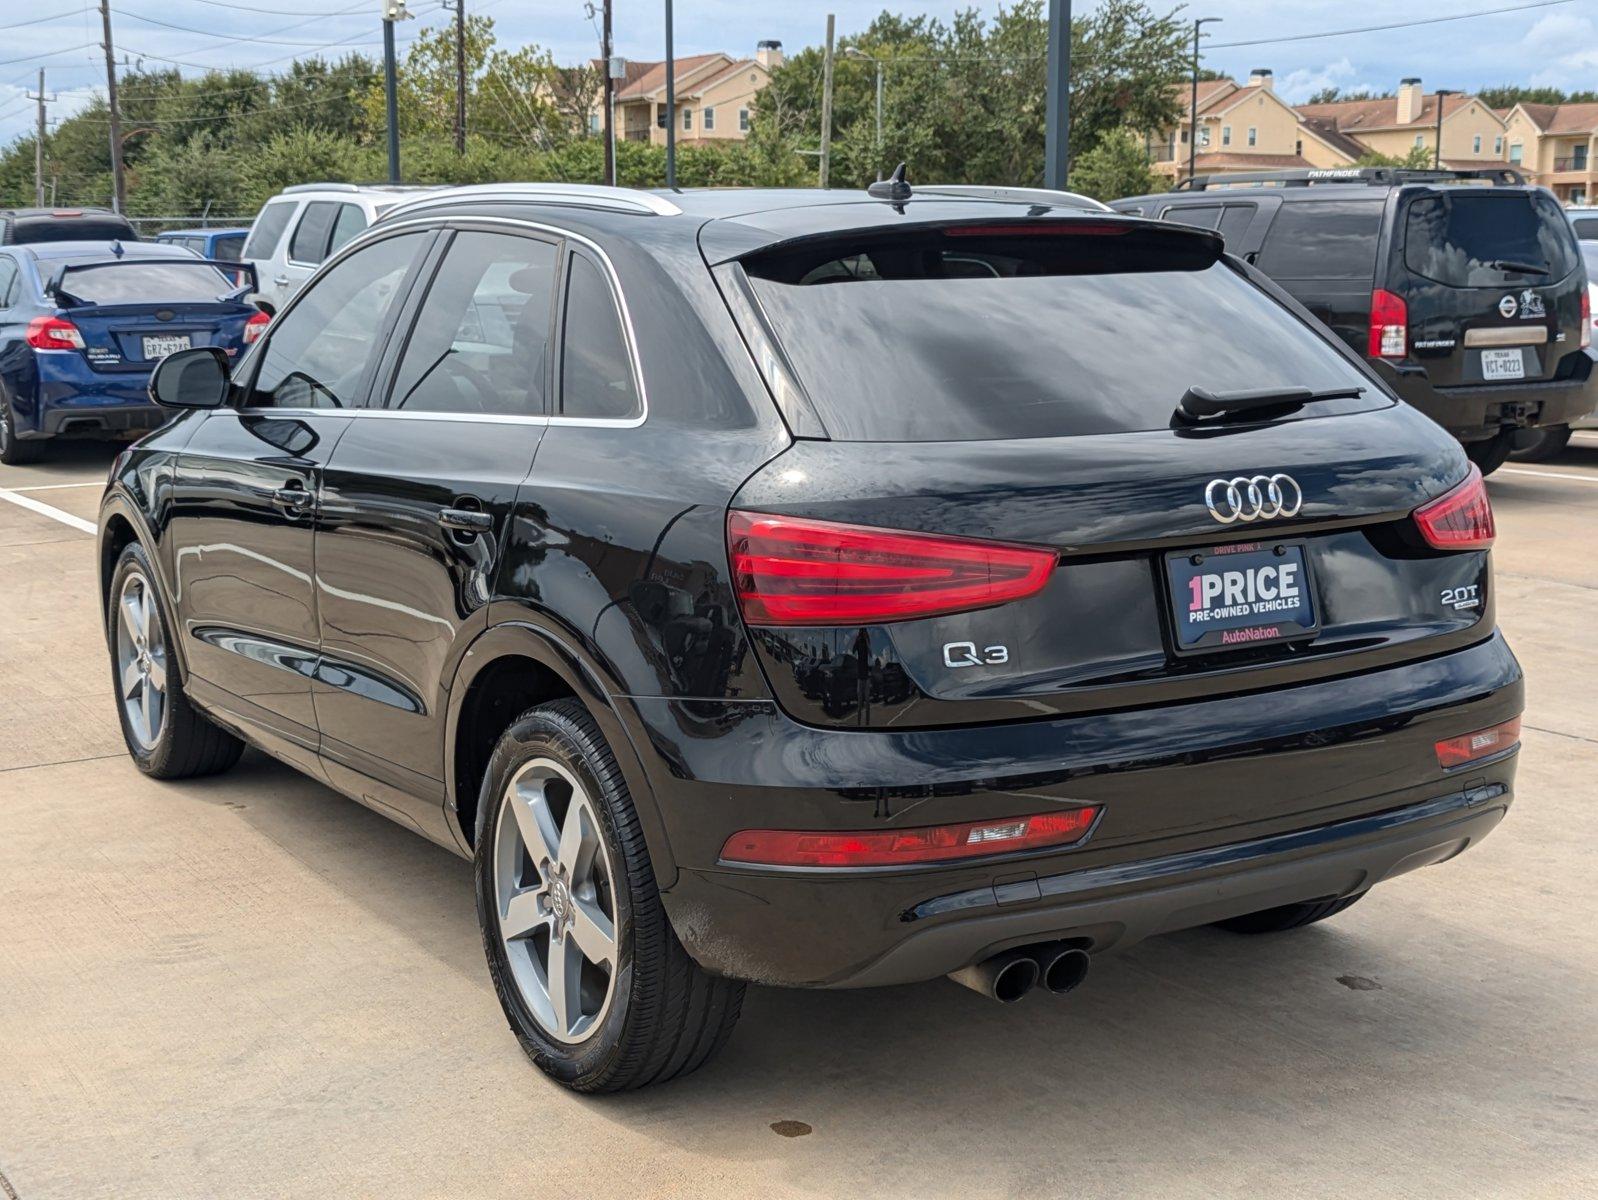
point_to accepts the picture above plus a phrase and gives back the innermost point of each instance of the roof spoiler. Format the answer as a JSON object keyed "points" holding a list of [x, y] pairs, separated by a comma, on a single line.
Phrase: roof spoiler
{"points": [[1370, 176]]}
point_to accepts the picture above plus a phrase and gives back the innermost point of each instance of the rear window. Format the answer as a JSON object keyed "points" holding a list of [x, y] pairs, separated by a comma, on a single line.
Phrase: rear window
{"points": [[33, 230], [230, 248], [1323, 239], [1485, 238], [982, 333], [268, 230], [147, 282]]}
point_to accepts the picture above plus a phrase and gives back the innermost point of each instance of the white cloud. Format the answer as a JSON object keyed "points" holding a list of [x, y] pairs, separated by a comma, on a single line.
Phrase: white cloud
{"points": [[1298, 85], [1567, 47]]}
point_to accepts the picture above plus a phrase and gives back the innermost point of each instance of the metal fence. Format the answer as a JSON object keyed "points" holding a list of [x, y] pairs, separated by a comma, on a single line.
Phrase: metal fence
{"points": [[148, 227]]}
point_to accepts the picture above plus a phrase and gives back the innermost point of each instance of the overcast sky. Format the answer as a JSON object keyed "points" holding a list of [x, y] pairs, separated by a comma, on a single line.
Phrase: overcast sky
{"points": [[1555, 44]]}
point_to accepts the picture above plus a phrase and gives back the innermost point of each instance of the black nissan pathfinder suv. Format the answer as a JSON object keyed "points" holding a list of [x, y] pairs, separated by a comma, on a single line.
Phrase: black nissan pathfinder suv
{"points": [[1463, 287], [822, 589]]}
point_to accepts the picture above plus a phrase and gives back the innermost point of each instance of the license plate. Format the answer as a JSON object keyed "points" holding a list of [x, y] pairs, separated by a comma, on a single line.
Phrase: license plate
{"points": [[1502, 364], [1232, 597], [160, 347]]}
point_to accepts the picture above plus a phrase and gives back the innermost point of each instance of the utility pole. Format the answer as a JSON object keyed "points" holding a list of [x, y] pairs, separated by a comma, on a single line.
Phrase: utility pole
{"points": [[119, 192], [393, 10], [671, 107], [1192, 112], [1437, 152], [826, 108], [460, 76], [38, 146], [605, 53], [1057, 115]]}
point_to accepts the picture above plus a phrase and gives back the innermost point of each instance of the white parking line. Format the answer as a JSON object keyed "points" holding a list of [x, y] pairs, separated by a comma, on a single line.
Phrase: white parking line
{"points": [[1548, 474], [56, 487], [45, 510]]}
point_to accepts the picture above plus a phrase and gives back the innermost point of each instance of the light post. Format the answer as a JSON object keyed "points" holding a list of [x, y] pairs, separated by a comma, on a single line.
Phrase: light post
{"points": [[393, 10], [855, 52], [1192, 115], [1437, 150]]}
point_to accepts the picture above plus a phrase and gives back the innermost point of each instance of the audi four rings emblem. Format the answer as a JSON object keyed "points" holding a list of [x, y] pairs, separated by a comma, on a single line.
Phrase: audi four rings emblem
{"points": [[1253, 498]]}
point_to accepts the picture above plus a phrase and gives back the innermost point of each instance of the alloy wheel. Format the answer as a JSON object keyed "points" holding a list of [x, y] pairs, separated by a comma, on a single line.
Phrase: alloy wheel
{"points": [[554, 888], [141, 661]]}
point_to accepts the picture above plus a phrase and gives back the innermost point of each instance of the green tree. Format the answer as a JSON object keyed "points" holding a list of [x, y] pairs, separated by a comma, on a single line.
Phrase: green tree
{"points": [[1115, 167], [1419, 158], [1510, 94]]}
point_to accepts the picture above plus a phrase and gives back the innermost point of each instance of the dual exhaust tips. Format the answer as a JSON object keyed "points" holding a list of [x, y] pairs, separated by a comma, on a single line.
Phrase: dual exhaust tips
{"points": [[1009, 975]]}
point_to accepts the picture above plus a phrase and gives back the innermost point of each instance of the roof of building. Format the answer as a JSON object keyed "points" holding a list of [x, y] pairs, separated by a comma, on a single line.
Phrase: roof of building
{"points": [[1234, 160], [1209, 90], [1563, 118], [1361, 116], [652, 77], [1327, 132]]}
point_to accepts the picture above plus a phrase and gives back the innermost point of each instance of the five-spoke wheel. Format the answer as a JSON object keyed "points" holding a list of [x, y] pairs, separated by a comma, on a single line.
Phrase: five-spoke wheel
{"points": [[141, 660]]}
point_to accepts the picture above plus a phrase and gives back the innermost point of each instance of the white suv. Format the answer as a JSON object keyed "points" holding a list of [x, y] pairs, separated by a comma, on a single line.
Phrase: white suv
{"points": [[298, 228]]}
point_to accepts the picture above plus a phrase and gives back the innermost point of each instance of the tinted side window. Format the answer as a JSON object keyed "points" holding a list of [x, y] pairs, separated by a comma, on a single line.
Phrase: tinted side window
{"points": [[480, 343], [350, 221], [596, 374], [317, 352], [310, 236], [1235, 220], [1323, 239], [1202, 216], [268, 231], [8, 282], [1586, 227]]}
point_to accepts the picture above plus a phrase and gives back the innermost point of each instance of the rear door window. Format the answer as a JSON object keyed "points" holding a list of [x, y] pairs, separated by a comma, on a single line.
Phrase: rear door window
{"points": [[268, 231], [310, 236], [896, 337], [596, 371], [1235, 219], [1482, 237], [350, 221], [1200, 216], [1323, 239]]}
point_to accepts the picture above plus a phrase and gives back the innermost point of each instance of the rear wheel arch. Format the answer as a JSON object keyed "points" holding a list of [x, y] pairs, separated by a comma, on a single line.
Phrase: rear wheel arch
{"points": [[120, 525], [507, 670]]}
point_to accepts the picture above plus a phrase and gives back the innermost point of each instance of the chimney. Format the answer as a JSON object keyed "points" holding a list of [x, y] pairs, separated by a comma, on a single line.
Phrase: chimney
{"points": [[1410, 100], [1260, 77], [769, 54]]}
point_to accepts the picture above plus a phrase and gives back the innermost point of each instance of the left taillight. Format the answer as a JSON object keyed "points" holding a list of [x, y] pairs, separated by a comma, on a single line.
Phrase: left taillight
{"points": [[255, 326], [53, 333], [797, 571], [1459, 519], [1586, 317]]}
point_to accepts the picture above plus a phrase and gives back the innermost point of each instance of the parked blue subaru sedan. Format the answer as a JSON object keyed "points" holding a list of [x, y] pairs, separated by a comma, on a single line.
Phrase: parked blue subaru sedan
{"points": [[82, 325]]}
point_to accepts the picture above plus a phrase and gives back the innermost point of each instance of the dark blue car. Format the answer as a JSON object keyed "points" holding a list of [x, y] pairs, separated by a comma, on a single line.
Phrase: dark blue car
{"points": [[82, 324]]}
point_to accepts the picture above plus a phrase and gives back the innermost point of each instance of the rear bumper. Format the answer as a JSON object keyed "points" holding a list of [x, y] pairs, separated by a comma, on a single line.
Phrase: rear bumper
{"points": [[72, 400], [1472, 413], [1210, 810]]}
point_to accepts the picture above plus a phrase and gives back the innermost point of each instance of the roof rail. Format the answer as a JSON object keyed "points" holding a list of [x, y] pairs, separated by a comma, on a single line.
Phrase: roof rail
{"points": [[1027, 195], [582, 195], [321, 187], [1370, 176]]}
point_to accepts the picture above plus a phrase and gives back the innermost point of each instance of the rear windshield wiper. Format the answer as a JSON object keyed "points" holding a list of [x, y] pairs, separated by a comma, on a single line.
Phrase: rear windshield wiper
{"points": [[1201, 402], [1520, 268]]}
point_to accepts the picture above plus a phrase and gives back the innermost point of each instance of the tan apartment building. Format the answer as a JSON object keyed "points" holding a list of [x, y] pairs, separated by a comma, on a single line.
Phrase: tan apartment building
{"points": [[1241, 127], [1473, 134], [714, 96], [1556, 145]]}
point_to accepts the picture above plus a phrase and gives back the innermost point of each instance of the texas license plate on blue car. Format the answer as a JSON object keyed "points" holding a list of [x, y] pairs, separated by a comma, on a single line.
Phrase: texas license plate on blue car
{"points": [[1242, 595]]}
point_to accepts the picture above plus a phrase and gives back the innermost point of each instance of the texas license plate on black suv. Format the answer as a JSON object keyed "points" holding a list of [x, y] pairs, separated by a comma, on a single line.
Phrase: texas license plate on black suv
{"points": [[1240, 595]]}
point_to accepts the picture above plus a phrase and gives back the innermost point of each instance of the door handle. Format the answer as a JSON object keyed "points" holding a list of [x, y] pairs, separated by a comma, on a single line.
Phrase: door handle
{"points": [[466, 520], [281, 280], [293, 499]]}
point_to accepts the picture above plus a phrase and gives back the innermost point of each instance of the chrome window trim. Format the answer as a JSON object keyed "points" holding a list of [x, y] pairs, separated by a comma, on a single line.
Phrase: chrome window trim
{"points": [[383, 229]]}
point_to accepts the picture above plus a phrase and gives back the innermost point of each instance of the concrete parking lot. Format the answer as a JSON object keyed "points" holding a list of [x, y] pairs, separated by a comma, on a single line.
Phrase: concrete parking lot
{"points": [[250, 986]]}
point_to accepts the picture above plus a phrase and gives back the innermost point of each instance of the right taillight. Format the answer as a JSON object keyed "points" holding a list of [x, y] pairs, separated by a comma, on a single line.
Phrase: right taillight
{"points": [[797, 571], [1460, 519], [1389, 327], [53, 333], [1586, 317], [1484, 743]]}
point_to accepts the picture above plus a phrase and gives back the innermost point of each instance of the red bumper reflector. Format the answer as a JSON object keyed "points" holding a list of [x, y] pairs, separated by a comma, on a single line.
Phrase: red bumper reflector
{"points": [[901, 847], [797, 571], [1461, 519], [1484, 743]]}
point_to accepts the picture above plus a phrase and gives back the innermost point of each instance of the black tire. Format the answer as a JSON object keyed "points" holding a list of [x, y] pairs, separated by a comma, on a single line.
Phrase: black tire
{"points": [[1539, 445], [1288, 916], [14, 452], [189, 743], [666, 1016], [1491, 453]]}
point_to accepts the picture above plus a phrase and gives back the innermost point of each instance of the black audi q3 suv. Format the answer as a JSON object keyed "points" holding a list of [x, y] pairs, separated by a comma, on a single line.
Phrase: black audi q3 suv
{"points": [[818, 590]]}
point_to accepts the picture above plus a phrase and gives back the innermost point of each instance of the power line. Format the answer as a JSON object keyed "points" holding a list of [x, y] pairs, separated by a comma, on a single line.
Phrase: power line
{"points": [[6, 62], [72, 12], [247, 37], [1306, 37]]}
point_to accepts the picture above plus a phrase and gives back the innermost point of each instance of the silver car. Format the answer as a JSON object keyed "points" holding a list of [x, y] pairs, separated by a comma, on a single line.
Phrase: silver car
{"points": [[1539, 445]]}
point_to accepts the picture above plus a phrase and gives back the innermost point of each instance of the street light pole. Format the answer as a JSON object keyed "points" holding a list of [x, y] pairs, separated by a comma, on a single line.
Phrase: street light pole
{"points": [[393, 10], [671, 106], [1192, 112], [1057, 97], [1437, 150]]}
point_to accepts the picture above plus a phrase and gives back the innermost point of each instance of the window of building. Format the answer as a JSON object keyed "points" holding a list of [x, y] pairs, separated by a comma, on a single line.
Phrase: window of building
{"points": [[1475, 144], [1498, 146], [1204, 137], [1420, 139], [710, 119], [687, 119], [1253, 136], [1515, 152], [743, 120], [1226, 135]]}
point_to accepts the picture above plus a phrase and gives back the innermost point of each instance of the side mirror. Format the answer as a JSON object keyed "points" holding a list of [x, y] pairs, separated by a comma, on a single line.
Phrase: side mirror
{"points": [[196, 378]]}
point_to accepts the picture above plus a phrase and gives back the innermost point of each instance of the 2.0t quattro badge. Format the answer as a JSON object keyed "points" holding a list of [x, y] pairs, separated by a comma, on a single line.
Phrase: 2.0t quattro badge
{"points": [[1257, 498]]}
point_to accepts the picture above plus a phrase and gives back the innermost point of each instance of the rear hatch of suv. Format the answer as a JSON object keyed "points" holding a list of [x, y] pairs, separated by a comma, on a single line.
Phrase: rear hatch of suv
{"points": [[1488, 283], [1016, 383]]}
